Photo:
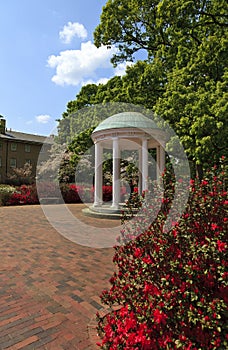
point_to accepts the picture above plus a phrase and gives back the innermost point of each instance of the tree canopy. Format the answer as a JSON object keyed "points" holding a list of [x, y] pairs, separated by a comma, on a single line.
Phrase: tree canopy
{"points": [[187, 53], [160, 27], [183, 79]]}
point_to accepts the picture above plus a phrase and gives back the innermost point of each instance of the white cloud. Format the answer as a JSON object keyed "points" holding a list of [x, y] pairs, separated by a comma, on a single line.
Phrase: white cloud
{"points": [[97, 82], [71, 30], [43, 118], [121, 68], [74, 67]]}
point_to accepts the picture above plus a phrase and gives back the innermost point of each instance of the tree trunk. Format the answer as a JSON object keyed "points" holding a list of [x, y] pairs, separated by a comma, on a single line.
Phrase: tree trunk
{"points": [[199, 171]]}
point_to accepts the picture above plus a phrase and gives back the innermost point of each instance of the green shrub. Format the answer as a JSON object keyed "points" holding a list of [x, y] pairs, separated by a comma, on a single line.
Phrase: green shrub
{"points": [[6, 192]]}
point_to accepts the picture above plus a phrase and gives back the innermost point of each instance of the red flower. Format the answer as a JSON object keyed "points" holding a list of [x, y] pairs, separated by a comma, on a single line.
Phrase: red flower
{"points": [[204, 182], [214, 226], [151, 289], [221, 246], [159, 316], [147, 260], [174, 233], [137, 253]]}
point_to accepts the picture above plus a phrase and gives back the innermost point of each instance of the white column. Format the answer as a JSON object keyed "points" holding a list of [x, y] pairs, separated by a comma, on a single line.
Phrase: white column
{"points": [[116, 174], [140, 171], [98, 200], [144, 165], [158, 165], [160, 160]]}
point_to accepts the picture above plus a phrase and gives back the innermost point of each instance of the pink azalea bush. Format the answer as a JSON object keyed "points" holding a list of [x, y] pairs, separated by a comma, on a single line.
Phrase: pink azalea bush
{"points": [[170, 289]]}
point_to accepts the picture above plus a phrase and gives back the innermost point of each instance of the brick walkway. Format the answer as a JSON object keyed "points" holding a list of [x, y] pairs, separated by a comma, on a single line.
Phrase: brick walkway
{"points": [[49, 286]]}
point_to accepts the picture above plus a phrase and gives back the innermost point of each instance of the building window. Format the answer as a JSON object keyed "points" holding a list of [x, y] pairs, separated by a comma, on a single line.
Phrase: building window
{"points": [[13, 162], [13, 146], [28, 161], [0, 146], [0, 161], [27, 148]]}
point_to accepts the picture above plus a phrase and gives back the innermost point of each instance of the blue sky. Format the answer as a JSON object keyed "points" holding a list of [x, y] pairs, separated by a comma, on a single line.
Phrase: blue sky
{"points": [[47, 54]]}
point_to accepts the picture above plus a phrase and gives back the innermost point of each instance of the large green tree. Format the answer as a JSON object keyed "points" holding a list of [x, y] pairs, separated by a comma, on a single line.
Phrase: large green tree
{"points": [[183, 79], [186, 47], [142, 84], [159, 27]]}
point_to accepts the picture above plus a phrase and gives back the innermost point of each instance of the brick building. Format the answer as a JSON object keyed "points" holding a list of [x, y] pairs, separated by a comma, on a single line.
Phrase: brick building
{"points": [[18, 148]]}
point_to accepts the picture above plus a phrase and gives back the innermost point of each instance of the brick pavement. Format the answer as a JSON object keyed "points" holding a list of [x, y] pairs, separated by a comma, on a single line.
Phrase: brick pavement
{"points": [[49, 286]]}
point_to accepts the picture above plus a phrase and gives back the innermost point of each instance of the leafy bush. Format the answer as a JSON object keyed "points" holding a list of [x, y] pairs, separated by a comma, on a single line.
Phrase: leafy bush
{"points": [[23, 195], [72, 193], [107, 193], [27, 194], [6, 192], [171, 287], [21, 176], [48, 189]]}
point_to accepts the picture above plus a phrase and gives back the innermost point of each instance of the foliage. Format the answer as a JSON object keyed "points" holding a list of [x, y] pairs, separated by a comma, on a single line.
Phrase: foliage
{"points": [[171, 287], [183, 79], [107, 193], [158, 27], [5, 193], [74, 194], [82, 155], [195, 104], [65, 173], [56, 165], [27, 194], [78, 160], [20, 176], [186, 68], [24, 194]]}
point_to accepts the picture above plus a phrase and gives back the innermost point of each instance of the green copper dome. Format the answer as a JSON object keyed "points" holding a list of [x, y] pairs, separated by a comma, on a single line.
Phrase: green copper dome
{"points": [[126, 120]]}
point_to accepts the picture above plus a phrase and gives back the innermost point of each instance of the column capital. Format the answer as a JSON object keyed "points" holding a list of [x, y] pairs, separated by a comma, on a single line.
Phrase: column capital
{"points": [[146, 137], [145, 142]]}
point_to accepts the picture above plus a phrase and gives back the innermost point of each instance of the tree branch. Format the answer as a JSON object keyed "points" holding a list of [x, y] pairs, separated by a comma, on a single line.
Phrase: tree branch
{"points": [[214, 18]]}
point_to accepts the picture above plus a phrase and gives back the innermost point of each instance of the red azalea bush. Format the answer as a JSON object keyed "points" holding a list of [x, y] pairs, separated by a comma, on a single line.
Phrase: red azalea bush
{"points": [[27, 194], [72, 193], [171, 287], [24, 194], [107, 193]]}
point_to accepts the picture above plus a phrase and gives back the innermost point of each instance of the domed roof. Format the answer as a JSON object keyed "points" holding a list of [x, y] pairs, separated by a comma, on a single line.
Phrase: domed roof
{"points": [[126, 120]]}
